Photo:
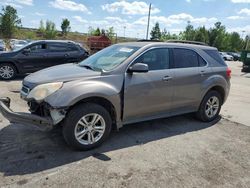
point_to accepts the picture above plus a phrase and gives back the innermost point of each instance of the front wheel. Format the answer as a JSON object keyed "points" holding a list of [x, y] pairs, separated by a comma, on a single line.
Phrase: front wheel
{"points": [[86, 126], [210, 107], [7, 71]]}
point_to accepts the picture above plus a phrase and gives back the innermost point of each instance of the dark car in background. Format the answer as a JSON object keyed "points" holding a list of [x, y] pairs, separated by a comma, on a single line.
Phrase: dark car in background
{"points": [[236, 56], [245, 58], [39, 55]]}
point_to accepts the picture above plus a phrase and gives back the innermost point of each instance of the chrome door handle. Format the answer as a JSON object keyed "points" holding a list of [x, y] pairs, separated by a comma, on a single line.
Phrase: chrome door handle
{"points": [[167, 78]]}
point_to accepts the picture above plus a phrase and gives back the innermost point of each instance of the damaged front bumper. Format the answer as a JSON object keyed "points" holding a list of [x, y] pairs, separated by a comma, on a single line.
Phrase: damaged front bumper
{"points": [[43, 123]]}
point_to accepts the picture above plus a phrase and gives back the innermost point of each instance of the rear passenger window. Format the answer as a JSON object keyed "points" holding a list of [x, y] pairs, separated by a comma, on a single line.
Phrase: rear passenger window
{"points": [[202, 62], [58, 47], [72, 47], [184, 58], [156, 59]]}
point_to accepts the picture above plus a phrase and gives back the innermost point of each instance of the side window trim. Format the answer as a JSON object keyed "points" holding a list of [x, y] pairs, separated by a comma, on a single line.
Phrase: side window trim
{"points": [[152, 48]]}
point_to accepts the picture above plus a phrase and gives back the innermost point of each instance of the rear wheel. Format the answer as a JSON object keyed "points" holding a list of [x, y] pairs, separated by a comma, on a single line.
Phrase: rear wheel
{"points": [[210, 106], [7, 71], [87, 126]]}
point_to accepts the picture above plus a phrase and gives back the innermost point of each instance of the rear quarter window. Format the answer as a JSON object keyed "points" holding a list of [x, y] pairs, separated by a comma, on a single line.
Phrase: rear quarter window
{"points": [[216, 56]]}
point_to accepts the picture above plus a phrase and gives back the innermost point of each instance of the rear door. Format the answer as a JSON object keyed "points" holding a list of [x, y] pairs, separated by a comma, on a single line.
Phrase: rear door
{"points": [[148, 95], [57, 53], [187, 81]]}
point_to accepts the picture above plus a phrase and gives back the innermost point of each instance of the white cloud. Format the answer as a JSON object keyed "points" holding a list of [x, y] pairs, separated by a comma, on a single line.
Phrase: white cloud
{"points": [[130, 8], [115, 19], [244, 11], [235, 17], [80, 19], [246, 29], [39, 14], [69, 5], [240, 1], [24, 2], [176, 19], [16, 3]]}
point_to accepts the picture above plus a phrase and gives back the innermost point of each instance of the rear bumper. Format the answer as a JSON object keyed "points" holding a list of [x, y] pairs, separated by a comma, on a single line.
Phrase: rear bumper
{"points": [[42, 123]]}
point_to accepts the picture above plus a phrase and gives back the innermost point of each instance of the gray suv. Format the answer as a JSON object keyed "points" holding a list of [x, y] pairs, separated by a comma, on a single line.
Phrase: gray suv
{"points": [[122, 84]]}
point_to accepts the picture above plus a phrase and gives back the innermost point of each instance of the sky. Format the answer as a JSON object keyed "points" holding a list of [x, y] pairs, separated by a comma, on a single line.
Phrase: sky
{"points": [[129, 17]]}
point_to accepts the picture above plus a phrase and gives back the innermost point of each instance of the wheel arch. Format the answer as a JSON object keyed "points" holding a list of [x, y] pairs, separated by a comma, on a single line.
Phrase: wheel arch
{"points": [[12, 63], [107, 104]]}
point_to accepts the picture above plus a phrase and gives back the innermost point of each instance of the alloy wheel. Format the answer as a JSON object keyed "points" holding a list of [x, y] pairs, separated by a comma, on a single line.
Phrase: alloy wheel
{"points": [[212, 106], [90, 129], [6, 72]]}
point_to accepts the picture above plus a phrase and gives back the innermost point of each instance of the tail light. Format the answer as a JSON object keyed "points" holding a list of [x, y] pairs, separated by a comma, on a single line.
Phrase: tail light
{"points": [[229, 72]]}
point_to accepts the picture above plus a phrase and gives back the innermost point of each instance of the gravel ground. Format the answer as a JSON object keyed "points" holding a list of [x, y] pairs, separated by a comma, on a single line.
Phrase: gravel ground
{"points": [[172, 152]]}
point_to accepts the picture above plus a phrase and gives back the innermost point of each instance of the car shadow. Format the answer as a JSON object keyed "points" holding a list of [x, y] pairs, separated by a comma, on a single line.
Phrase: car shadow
{"points": [[26, 150], [17, 78]]}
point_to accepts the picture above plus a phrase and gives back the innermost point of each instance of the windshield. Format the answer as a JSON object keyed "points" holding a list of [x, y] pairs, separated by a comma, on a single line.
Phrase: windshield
{"points": [[109, 58]]}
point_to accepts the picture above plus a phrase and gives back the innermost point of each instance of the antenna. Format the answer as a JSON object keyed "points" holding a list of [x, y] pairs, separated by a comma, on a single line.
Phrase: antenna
{"points": [[149, 11]]}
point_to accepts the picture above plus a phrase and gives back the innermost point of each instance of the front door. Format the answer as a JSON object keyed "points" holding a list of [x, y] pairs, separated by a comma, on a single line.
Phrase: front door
{"points": [[34, 58], [148, 95]]}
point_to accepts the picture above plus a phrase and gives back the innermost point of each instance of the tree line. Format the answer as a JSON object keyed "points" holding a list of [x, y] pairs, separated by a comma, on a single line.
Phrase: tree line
{"points": [[216, 36]]}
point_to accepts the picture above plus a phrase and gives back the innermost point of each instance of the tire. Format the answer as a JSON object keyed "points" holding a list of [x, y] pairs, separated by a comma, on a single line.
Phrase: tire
{"points": [[78, 121], [206, 115], [7, 71]]}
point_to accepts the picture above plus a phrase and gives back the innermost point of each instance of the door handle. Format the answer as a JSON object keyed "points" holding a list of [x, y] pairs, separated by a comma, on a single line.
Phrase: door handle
{"points": [[202, 73], [166, 78]]}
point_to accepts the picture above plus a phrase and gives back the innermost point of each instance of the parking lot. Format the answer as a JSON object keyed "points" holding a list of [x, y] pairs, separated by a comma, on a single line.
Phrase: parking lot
{"points": [[172, 152]]}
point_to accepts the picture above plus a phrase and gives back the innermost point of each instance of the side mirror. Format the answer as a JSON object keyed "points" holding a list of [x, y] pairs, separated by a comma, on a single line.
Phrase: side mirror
{"points": [[26, 51], [138, 67]]}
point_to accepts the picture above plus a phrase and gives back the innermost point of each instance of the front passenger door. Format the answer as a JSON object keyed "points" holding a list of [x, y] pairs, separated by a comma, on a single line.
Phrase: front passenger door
{"points": [[149, 95]]}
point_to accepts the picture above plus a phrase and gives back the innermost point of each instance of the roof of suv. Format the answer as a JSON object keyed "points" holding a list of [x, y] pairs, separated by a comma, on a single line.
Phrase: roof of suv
{"points": [[58, 41], [174, 44]]}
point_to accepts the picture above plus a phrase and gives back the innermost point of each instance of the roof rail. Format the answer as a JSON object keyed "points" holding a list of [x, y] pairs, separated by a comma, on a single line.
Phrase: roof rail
{"points": [[188, 42], [146, 40]]}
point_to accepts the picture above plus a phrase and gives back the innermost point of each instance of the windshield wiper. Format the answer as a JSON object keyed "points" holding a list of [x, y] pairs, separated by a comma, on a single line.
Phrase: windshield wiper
{"points": [[91, 68], [87, 67]]}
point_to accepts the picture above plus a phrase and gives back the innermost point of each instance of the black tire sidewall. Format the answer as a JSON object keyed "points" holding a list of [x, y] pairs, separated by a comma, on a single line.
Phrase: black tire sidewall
{"points": [[14, 69], [75, 115], [201, 114]]}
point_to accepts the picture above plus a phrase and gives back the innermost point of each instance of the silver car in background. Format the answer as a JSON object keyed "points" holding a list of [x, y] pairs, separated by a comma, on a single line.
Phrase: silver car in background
{"points": [[122, 84]]}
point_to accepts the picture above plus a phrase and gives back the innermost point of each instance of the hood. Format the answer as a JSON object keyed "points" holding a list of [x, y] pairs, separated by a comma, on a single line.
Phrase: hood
{"points": [[60, 73], [7, 54]]}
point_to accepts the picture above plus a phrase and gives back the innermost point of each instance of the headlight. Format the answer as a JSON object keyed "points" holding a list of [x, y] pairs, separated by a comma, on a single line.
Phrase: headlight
{"points": [[42, 91]]}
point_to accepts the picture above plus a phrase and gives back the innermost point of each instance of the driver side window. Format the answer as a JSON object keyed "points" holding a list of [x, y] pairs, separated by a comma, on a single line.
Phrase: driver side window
{"points": [[38, 48], [156, 59]]}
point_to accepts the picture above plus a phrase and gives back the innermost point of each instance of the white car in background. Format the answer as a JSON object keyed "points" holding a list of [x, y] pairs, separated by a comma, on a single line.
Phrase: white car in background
{"points": [[226, 57], [17, 44]]}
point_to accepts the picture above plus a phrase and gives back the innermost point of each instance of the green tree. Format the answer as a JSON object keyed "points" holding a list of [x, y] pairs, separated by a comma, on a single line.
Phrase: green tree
{"points": [[97, 32], [189, 33], [50, 30], [65, 26], [9, 23], [217, 36], [201, 35], [156, 32]]}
